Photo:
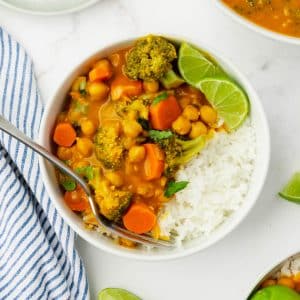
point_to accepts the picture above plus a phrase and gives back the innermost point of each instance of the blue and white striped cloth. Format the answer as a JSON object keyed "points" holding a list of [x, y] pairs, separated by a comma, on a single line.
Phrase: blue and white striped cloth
{"points": [[37, 255]]}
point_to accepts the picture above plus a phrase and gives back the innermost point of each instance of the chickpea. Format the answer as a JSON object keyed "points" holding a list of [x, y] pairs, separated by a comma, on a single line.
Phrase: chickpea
{"points": [[74, 115], [208, 114], [286, 281], [184, 101], [151, 86], [64, 153], [132, 128], [87, 127], [128, 142], [84, 146], [136, 154], [103, 64], [145, 190], [268, 282], [98, 91], [191, 113], [198, 128], [182, 125], [114, 178]]}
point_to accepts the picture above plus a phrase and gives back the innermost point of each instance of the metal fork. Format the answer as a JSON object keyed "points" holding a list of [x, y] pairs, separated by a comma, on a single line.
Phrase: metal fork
{"points": [[108, 225]]}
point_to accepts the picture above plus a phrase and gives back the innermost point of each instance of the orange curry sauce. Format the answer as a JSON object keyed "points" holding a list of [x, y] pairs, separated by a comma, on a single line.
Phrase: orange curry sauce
{"points": [[282, 16]]}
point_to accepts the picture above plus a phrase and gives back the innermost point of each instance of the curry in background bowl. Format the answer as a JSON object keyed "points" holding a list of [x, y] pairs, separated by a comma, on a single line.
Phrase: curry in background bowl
{"points": [[278, 16]]}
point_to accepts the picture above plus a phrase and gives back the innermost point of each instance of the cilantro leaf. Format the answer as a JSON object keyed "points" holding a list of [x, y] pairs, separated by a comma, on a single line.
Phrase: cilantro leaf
{"points": [[159, 98], [174, 187], [69, 184], [87, 172], [158, 135]]}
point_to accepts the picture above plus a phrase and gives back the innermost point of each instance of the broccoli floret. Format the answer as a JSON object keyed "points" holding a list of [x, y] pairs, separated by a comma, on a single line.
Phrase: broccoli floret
{"points": [[112, 202], [150, 58], [109, 148], [179, 152]]}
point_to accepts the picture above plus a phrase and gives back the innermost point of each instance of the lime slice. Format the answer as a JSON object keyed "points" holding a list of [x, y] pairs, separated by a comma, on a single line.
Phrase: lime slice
{"points": [[291, 191], [227, 98], [194, 65], [116, 294]]}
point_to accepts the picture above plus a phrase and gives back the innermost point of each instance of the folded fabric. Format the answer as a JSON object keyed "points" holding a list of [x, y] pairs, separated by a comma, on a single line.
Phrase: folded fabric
{"points": [[37, 255]]}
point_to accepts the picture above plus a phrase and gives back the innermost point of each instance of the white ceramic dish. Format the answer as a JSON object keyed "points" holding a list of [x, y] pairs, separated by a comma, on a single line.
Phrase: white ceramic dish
{"points": [[261, 30], [47, 7], [258, 178]]}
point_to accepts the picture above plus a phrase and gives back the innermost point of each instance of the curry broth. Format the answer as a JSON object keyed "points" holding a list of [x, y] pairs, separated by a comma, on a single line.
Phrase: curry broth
{"points": [[282, 16]]}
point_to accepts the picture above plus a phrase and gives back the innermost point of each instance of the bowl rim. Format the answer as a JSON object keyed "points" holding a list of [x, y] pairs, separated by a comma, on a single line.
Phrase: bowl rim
{"points": [[185, 252], [50, 13], [257, 28]]}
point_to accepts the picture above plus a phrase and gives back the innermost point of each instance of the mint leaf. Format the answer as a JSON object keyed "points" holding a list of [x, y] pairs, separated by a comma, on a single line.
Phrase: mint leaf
{"points": [[174, 187], [158, 135], [159, 98]]}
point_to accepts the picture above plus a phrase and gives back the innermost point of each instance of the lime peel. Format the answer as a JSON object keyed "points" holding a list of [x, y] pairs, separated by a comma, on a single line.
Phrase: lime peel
{"points": [[291, 191]]}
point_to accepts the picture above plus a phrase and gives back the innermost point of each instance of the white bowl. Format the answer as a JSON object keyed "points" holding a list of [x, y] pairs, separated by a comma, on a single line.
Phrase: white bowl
{"points": [[46, 8], [257, 28], [258, 178]]}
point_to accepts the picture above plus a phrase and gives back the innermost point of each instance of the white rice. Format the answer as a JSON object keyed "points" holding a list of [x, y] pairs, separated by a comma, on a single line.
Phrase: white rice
{"points": [[218, 184]]}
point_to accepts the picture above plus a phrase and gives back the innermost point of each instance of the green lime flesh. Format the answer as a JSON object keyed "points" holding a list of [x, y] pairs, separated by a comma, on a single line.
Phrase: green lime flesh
{"points": [[116, 294], [291, 191]]}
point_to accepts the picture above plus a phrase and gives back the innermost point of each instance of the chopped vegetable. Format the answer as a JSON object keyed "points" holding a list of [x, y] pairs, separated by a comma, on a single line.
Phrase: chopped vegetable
{"points": [[87, 172], [171, 80], [64, 134], [82, 86], [77, 199], [164, 113], [139, 218], [154, 162], [109, 148], [150, 58], [123, 86], [162, 96], [157, 135], [101, 71], [174, 187]]}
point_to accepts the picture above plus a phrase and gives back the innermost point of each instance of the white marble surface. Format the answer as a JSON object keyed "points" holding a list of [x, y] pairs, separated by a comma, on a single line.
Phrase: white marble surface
{"points": [[272, 230]]}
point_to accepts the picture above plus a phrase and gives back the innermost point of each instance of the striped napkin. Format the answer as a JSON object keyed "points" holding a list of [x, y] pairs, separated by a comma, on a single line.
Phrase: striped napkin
{"points": [[37, 255]]}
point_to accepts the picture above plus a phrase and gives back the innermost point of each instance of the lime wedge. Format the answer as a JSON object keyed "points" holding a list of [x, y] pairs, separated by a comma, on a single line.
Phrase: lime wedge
{"points": [[194, 65], [116, 294], [291, 191], [227, 98]]}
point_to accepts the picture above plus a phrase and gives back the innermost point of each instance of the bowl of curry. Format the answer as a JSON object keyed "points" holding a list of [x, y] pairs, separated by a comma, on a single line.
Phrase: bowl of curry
{"points": [[171, 138], [277, 19]]}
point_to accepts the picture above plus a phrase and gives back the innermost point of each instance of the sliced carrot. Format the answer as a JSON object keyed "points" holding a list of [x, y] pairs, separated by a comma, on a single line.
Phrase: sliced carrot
{"points": [[76, 200], [164, 113], [64, 134], [123, 86], [154, 162], [139, 218], [101, 71]]}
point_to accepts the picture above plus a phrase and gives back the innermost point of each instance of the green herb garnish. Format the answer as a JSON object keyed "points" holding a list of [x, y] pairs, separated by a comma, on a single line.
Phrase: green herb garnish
{"points": [[159, 98], [158, 135], [81, 107], [144, 123], [87, 172], [69, 184], [174, 187], [82, 86]]}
